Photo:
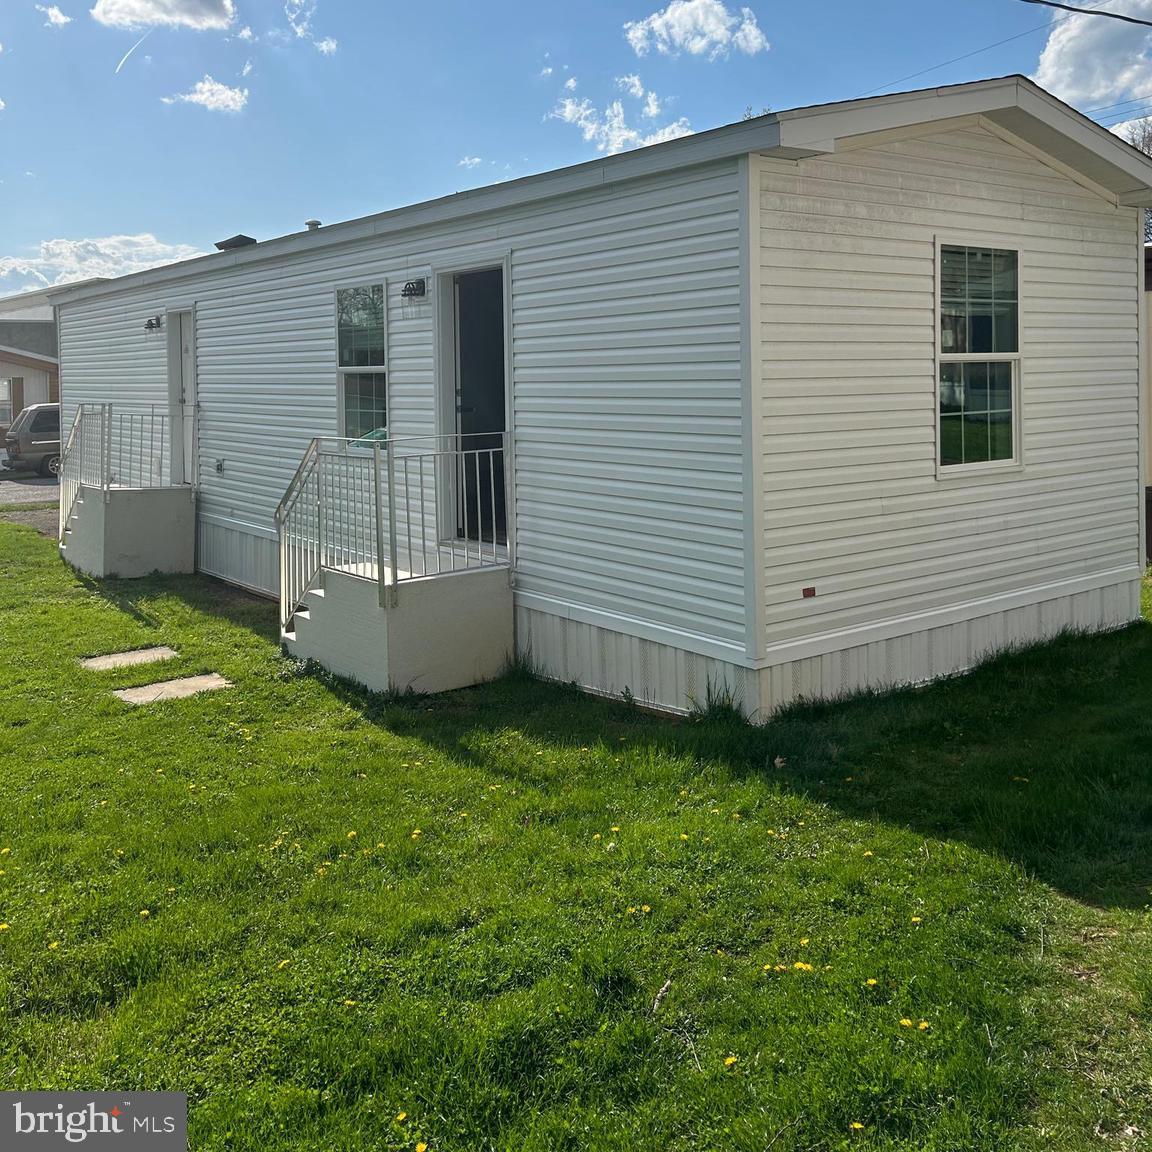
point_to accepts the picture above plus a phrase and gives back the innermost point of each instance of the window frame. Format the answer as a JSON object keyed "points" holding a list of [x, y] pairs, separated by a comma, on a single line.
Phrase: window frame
{"points": [[6, 401], [361, 369], [1016, 359]]}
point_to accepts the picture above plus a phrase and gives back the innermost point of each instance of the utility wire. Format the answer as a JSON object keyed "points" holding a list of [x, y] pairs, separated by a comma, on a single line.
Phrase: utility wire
{"points": [[968, 55], [1092, 12]]}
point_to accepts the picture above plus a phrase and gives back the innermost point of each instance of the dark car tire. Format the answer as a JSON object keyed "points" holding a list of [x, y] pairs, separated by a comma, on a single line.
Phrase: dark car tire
{"points": [[50, 466]]}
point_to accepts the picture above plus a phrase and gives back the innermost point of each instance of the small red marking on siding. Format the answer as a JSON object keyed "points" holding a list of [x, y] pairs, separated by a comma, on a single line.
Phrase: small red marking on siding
{"points": [[808, 592]]}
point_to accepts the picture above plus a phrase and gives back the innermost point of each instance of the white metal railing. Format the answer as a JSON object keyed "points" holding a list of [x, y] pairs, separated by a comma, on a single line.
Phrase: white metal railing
{"points": [[392, 510], [106, 448]]}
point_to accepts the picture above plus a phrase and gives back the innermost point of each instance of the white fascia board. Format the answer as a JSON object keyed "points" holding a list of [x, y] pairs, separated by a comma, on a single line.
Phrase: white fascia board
{"points": [[817, 128], [757, 135], [25, 354]]}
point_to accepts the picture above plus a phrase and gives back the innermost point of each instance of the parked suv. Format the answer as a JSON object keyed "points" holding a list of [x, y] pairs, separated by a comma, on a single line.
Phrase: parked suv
{"points": [[33, 441]]}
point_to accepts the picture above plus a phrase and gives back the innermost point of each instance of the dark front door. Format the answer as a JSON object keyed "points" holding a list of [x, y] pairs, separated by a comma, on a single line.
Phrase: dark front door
{"points": [[480, 406]]}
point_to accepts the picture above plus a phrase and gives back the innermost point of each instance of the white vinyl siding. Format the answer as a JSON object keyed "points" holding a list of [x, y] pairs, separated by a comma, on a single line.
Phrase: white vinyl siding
{"points": [[626, 377], [853, 504]]}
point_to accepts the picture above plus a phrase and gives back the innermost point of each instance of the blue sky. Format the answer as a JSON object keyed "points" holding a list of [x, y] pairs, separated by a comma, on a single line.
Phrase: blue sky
{"points": [[253, 115]]}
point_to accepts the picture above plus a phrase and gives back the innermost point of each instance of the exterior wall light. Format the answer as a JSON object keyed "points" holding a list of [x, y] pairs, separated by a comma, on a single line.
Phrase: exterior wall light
{"points": [[154, 324], [413, 289]]}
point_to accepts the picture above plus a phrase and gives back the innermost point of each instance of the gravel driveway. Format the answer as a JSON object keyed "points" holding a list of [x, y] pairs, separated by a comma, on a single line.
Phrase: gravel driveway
{"points": [[27, 488]]}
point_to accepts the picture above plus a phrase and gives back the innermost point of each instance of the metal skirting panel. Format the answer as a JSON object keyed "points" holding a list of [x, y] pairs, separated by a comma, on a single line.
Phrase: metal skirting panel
{"points": [[610, 663], [934, 652], [238, 555]]}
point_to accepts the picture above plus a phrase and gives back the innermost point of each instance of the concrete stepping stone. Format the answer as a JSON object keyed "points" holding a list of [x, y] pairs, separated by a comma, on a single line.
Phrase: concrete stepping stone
{"points": [[127, 659], [172, 689]]}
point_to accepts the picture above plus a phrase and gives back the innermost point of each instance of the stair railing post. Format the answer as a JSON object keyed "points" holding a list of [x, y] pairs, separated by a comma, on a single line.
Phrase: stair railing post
{"points": [[378, 499], [106, 471], [395, 597]]}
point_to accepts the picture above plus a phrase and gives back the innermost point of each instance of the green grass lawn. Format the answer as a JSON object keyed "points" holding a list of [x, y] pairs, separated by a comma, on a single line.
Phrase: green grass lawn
{"points": [[519, 918]]}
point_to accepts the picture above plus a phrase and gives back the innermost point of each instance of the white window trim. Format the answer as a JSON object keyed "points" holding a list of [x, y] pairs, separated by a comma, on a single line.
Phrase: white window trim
{"points": [[985, 467], [363, 282]]}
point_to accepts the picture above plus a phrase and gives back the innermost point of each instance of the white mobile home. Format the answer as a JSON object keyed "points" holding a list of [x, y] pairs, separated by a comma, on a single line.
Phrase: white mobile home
{"points": [[841, 396]]}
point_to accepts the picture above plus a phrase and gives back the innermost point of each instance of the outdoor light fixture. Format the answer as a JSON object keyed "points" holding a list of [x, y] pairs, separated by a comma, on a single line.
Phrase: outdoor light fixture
{"points": [[414, 289], [153, 323]]}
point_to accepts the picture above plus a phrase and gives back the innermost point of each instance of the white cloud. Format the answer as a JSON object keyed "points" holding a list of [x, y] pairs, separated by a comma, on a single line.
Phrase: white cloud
{"points": [[247, 69], [570, 85], [470, 161], [328, 45], [631, 84], [201, 15], [246, 33], [2, 105], [213, 95], [546, 71], [609, 129], [698, 27], [300, 13], [1090, 62], [54, 17], [62, 261]]}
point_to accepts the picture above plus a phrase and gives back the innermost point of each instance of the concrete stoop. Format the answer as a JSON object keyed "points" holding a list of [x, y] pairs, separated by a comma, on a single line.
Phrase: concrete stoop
{"points": [[446, 631], [132, 532]]}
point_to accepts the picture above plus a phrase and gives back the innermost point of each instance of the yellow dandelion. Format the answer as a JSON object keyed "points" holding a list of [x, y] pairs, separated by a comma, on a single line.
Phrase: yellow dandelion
{"points": [[54, 945], [715, 811], [614, 828], [381, 845], [169, 890], [145, 913], [916, 920], [351, 1003], [905, 1022], [735, 815], [801, 966], [3, 927], [780, 968], [856, 1126], [645, 908], [868, 853], [5, 851], [683, 835], [351, 835], [767, 967], [401, 1117], [729, 1061], [803, 941], [596, 836], [923, 1025], [421, 1147], [416, 833], [119, 851], [282, 965], [631, 911], [871, 982]]}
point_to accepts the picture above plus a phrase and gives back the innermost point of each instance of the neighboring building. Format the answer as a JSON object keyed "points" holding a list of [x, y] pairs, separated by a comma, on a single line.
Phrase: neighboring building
{"points": [[836, 397], [29, 371]]}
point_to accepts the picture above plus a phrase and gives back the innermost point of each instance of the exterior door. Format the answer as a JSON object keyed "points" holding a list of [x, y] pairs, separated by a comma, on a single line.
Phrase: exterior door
{"points": [[480, 406], [182, 396]]}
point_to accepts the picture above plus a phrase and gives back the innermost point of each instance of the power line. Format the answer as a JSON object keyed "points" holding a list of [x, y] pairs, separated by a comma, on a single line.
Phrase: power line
{"points": [[1091, 12], [968, 55]]}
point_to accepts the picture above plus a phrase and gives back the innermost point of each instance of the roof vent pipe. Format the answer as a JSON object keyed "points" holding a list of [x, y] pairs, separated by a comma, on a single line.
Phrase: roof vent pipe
{"points": [[311, 225]]}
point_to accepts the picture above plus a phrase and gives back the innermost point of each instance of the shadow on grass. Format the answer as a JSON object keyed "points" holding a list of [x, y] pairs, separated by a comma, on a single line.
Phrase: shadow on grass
{"points": [[203, 593], [1040, 756]]}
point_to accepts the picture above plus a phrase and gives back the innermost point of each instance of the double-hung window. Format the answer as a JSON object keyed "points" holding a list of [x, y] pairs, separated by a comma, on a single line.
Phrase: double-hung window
{"points": [[979, 356], [6, 412], [362, 362]]}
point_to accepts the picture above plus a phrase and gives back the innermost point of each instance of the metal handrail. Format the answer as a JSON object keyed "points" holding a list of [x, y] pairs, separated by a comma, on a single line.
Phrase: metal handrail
{"points": [[404, 509]]}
